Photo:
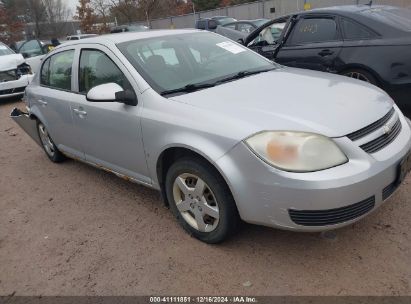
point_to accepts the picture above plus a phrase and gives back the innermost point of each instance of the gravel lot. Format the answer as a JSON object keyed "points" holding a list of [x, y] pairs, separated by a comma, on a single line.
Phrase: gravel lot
{"points": [[71, 229]]}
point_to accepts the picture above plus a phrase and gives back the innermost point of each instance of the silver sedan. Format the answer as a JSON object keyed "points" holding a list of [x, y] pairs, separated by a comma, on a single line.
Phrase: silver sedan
{"points": [[223, 133]]}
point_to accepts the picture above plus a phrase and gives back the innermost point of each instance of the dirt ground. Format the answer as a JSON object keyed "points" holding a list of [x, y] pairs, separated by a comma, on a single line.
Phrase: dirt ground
{"points": [[70, 229]]}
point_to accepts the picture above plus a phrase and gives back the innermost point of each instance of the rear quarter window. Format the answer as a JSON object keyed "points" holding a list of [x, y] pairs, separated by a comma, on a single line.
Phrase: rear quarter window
{"points": [[355, 31]]}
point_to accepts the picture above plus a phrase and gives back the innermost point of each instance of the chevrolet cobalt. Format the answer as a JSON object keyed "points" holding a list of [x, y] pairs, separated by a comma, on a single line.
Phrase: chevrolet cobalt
{"points": [[225, 134]]}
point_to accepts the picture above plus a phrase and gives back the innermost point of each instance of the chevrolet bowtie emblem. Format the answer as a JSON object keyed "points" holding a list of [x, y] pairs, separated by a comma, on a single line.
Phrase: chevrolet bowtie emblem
{"points": [[387, 129]]}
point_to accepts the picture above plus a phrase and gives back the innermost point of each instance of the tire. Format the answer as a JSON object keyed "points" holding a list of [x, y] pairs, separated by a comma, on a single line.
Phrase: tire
{"points": [[48, 145], [206, 210], [360, 75]]}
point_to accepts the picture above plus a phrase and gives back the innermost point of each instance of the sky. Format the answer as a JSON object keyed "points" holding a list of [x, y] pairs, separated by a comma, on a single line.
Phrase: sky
{"points": [[71, 4]]}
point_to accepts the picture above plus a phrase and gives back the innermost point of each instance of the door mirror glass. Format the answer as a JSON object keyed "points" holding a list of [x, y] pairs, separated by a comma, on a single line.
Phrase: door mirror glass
{"points": [[111, 92]]}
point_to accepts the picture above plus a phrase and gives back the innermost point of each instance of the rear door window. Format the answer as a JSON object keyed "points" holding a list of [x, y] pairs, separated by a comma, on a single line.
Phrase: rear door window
{"points": [[56, 71], [314, 30], [245, 28]]}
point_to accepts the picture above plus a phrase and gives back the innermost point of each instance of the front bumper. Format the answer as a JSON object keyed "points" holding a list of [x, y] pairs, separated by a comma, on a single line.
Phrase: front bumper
{"points": [[268, 196], [16, 87]]}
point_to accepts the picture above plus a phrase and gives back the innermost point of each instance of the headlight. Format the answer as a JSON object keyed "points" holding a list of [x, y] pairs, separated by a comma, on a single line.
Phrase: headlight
{"points": [[296, 151]]}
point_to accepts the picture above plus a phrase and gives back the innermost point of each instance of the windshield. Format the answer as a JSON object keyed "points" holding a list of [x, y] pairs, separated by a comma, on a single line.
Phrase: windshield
{"points": [[4, 50], [175, 61], [399, 18], [137, 28], [223, 21], [260, 22]]}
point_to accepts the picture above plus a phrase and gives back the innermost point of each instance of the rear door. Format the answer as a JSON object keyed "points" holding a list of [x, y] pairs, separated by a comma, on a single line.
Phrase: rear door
{"points": [[52, 100], [314, 43]]}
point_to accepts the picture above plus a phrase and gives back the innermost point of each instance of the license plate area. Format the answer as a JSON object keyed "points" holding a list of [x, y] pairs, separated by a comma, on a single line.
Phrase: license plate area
{"points": [[404, 168]]}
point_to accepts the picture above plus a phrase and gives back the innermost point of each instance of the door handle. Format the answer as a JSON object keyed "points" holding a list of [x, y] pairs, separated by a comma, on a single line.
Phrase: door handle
{"points": [[324, 53], [42, 102], [80, 112]]}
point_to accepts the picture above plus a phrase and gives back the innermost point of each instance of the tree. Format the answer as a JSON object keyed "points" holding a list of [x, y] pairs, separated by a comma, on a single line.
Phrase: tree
{"points": [[202, 5], [85, 15], [57, 15], [36, 13], [11, 28], [124, 10], [102, 10]]}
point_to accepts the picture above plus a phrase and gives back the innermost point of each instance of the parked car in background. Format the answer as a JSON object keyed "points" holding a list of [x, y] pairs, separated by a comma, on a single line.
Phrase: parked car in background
{"points": [[211, 24], [238, 29], [369, 43], [129, 28], [80, 36], [223, 132], [15, 73], [33, 51], [246, 26]]}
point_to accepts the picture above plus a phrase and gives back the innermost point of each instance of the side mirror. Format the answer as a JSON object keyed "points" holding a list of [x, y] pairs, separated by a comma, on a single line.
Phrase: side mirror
{"points": [[112, 92], [25, 55]]}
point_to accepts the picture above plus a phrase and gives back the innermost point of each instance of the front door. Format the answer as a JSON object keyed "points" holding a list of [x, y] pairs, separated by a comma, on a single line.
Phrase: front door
{"points": [[109, 132], [314, 43]]}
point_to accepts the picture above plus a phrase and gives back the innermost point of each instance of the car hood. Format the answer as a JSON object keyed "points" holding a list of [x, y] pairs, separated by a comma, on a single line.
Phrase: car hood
{"points": [[294, 100], [10, 62]]}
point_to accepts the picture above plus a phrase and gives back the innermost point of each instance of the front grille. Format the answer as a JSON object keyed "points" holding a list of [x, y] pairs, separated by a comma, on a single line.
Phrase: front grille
{"points": [[384, 140], [389, 190], [12, 91], [10, 75], [372, 127], [332, 216]]}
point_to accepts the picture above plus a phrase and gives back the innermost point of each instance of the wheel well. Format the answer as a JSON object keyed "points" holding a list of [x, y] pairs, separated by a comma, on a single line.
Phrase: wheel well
{"points": [[366, 69], [170, 156], [34, 117]]}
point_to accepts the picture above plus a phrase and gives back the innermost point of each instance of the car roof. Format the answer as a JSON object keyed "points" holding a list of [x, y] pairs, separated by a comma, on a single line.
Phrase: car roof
{"points": [[348, 9], [128, 36]]}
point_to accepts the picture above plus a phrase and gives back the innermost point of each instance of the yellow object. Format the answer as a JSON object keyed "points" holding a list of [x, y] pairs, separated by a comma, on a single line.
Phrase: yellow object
{"points": [[307, 6]]}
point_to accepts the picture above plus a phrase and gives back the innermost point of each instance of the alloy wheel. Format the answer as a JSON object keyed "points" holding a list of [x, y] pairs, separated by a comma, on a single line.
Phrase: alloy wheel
{"points": [[357, 75]]}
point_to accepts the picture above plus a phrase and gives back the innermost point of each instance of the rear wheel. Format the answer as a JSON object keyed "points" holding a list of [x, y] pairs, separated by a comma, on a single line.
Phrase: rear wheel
{"points": [[360, 75], [201, 201], [48, 145]]}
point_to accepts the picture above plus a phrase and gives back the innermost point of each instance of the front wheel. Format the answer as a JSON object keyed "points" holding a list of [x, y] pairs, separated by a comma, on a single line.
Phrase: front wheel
{"points": [[201, 200], [48, 145], [360, 75]]}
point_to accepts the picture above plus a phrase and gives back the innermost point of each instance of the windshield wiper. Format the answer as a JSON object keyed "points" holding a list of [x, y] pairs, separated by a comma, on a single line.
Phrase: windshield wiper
{"points": [[199, 86], [188, 88], [242, 74]]}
